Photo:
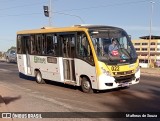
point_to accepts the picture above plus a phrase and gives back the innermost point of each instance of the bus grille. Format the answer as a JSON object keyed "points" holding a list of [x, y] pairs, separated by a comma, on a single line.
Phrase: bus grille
{"points": [[123, 79], [123, 73]]}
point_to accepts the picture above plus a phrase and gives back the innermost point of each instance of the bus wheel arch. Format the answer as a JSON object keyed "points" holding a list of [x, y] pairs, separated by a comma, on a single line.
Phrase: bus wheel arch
{"points": [[38, 76], [85, 83]]}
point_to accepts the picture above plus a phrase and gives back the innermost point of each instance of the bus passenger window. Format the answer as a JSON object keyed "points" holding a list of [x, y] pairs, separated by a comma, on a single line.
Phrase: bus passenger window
{"points": [[49, 47], [68, 45], [49, 44], [32, 38], [54, 46]]}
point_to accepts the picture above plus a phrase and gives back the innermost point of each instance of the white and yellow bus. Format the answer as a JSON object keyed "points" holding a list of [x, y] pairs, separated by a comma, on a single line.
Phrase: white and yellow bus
{"points": [[79, 55]]}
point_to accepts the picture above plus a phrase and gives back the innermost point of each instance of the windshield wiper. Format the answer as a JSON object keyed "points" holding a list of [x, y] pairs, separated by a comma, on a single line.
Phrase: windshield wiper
{"points": [[126, 52]]}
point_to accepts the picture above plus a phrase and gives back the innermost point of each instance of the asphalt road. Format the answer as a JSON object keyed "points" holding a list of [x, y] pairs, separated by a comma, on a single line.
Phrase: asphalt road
{"points": [[25, 95]]}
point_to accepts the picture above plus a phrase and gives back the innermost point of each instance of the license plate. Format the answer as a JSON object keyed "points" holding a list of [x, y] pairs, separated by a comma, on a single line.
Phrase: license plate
{"points": [[124, 84]]}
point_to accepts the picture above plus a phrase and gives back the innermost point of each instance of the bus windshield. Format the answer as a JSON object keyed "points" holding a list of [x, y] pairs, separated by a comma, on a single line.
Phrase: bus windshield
{"points": [[113, 46]]}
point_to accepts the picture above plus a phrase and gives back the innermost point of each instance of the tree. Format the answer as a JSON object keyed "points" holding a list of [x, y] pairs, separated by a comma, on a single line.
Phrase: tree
{"points": [[1, 54]]}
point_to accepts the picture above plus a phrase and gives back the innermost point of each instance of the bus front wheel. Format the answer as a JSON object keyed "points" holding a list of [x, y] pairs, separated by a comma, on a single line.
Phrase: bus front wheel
{"points": [[39, 78], [86, 85]]}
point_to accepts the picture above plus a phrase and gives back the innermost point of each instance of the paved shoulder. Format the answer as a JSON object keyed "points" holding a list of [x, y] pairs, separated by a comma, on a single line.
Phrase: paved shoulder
{"points": [[150, 71]]}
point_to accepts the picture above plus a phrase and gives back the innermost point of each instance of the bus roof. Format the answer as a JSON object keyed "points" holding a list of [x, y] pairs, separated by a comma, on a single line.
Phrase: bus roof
{"points": [[67, 29]]}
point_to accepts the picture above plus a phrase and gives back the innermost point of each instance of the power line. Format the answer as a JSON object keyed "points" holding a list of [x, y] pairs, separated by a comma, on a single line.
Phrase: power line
{"points": [[5, 1], [71, 15], [62, 12], [8, 40], [22, 14], [103, 6], [33, 4]]}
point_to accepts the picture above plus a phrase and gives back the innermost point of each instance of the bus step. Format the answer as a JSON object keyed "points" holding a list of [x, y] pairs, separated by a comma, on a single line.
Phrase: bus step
{"points": [[70, 82]]}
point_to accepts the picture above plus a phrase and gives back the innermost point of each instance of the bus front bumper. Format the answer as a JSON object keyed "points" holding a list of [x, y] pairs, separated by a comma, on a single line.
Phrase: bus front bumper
{"points": [[109, 82]]}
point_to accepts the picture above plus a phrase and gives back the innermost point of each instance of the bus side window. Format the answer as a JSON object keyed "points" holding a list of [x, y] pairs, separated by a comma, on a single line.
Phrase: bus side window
{"points": [[83, 48], [32, 39], [55, 46], [68, 45], [19, 44], [49, 44], [36, 47]]}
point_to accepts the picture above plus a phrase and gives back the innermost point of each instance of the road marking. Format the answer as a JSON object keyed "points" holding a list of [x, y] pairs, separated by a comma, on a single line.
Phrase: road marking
{"points": [[5, 70], [40, 96]]}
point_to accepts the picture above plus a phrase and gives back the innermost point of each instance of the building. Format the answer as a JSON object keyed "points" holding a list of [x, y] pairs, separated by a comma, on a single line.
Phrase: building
{"points": [[142, 48]]}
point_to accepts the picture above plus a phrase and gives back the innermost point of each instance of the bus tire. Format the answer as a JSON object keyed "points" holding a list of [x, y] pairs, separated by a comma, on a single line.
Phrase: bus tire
{"points": [[86, 85], [39, 78]]}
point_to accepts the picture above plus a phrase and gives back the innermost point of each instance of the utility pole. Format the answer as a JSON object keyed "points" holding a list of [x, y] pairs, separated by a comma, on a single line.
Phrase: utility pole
{"points": [[150, 34], [50, 12]]}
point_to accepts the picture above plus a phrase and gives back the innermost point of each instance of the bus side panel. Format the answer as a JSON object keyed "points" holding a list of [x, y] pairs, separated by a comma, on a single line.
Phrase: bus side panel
{"points": [[22, 64], [60, 63], [49, 70], [84, 68]]}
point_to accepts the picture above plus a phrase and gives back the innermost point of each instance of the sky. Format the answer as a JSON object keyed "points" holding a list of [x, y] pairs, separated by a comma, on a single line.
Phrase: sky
{"points": [[132, 15]]}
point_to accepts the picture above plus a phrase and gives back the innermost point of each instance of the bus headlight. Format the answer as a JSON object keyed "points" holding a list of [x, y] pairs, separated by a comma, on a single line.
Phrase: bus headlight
{"points": [[137, 69], [104, 71]]}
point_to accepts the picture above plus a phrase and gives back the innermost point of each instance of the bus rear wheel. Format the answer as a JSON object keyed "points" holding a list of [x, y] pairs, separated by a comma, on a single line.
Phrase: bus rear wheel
{"points": [[39, 78], [86, 85]]}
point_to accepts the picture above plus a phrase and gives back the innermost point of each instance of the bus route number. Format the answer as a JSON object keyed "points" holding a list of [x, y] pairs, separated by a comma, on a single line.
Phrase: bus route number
{"points": [[115, 68]]}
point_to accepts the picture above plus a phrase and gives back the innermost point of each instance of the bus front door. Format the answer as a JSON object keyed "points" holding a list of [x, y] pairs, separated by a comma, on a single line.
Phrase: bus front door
{"points": [[26, 57], [68, 51]]}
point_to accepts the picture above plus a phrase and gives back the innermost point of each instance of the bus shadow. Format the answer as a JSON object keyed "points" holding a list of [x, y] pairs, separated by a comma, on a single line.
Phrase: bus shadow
{"points": [[22, 76], [67, 86], [59, 84], [110, 90], [79, 87], [50, 82]]}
